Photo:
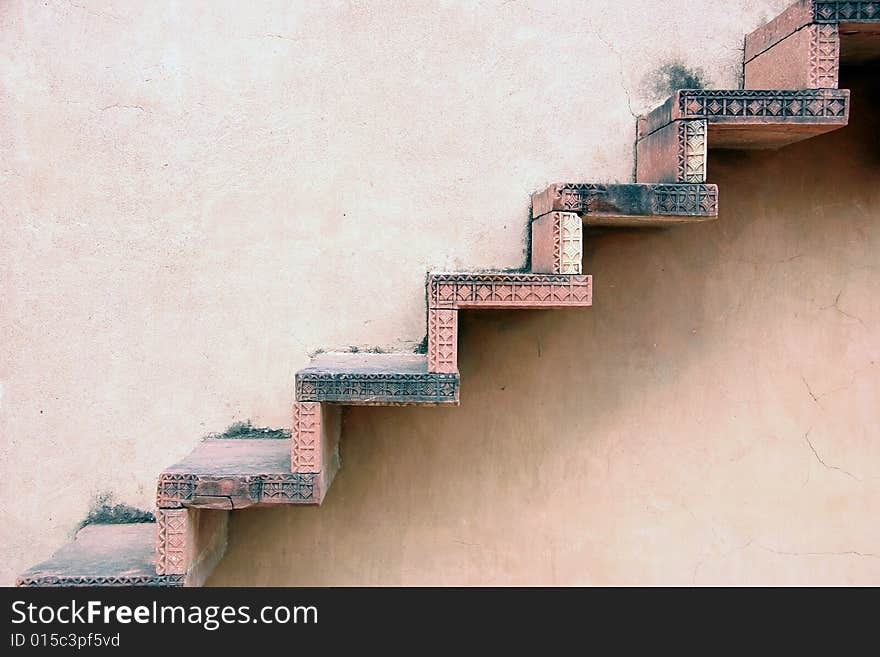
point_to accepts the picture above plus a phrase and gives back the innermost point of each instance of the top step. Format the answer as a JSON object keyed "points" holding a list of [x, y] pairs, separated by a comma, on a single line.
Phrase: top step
{"points": [[854, 15], [805, 45]]}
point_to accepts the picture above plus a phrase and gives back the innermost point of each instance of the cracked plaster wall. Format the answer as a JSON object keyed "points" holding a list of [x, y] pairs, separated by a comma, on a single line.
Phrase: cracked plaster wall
{"points": [[197, 195]]}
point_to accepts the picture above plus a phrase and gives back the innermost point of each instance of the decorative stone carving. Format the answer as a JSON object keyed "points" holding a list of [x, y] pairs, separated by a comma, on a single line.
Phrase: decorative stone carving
{"points": [[632, 204], [443, 341], [846, 11], [306, 437], [676, 153], [557, 243], [172, 532], [238, 473], [375, 379], [509, 290]]}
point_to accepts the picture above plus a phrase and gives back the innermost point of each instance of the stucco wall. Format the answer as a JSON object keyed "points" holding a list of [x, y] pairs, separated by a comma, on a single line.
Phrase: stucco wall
{"points": [[714, 418], [197, 195]]}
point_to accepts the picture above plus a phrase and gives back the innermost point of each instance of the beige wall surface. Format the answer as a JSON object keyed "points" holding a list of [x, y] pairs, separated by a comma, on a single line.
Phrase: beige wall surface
{"points": [[714, 418], [196, 195]]}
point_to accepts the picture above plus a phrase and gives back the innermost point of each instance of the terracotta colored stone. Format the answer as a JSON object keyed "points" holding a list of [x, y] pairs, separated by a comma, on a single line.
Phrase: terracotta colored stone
{"points": [[807, 59], [557, 243], [443, 341], [789, 21], [104, 555], [749, 118], [375, 379], [315, 441], [235, 474], [630, 204], [676, 153], [854, 14], [805, 45], [505, 290], [190, 542]]}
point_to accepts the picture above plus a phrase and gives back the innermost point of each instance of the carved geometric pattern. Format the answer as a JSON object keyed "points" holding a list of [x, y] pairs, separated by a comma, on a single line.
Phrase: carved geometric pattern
{"points": [[568, 243], [100, 580], [509, 290], [600, 204], [378, 388], [847, 10], [582, 198], [692, 152], [681, 200], [746, 103], [306, 435], [171, 541], [824, 56], [172, 489], [177, 491], [286, 487], [443, 340]]}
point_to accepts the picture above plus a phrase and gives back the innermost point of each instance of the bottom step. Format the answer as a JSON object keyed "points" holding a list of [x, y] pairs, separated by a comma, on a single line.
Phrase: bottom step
{"points": [[103, 555]]}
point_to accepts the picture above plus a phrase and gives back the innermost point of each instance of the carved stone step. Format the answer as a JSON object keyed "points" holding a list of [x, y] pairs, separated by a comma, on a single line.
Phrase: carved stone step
{"points": [[803, 47], [753, 119], [509, 290], [232, 473], [449, 292], [103, 555], [630, 204], [375, 379]]}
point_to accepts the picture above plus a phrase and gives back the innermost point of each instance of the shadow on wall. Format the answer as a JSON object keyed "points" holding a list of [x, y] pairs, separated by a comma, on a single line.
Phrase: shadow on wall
{"points": [[712, 419]]}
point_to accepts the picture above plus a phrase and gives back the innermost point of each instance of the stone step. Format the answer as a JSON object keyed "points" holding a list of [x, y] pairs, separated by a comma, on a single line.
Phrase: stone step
{"points": [[449, 292], [741, 119], [364, 379], [633, 204], [103, 555], [236, 473], [194, 496], [453, 290], [805, 45]]}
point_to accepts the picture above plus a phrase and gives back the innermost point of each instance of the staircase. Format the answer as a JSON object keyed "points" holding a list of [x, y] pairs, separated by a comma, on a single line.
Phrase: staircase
{"points": [[789, 94]]}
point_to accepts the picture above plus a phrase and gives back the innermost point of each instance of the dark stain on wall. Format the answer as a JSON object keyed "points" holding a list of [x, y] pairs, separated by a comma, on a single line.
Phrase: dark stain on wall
{"points": [[104, 512]]}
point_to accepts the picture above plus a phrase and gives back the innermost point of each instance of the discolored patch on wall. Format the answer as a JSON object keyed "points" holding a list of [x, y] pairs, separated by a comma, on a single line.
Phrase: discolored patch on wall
{"points": [[665, 80], [104, 512], [242, 430]]}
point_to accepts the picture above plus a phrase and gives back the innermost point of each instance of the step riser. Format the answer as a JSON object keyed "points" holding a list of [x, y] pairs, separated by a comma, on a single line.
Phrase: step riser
{"points": [[315, 435], [676, 153], [807, 59], [443, 341], [190, 542], [104, 555], [557, 244]]}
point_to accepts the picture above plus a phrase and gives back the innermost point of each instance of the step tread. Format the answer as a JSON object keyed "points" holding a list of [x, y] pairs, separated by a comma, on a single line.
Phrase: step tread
{"points": [[235, 473], [375, 379], [103, 555], [224, 457]]}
